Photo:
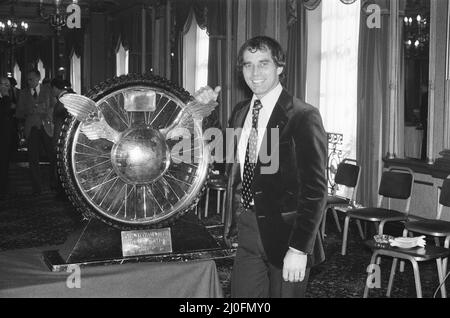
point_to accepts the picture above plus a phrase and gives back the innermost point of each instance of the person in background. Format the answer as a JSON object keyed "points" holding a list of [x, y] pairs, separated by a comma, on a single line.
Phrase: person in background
{"points": [[14, 90], [35, 109], [6, 136], [14, 93]]}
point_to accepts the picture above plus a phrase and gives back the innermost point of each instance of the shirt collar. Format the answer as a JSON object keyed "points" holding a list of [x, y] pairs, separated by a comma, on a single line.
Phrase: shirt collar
{"points": [[270, 99]]}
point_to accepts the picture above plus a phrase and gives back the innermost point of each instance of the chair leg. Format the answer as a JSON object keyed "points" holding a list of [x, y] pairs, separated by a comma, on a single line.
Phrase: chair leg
{"points": [[402, 262], [417, 278], [336, 220], [324, 221], [445, 260], [218, 202], [375, 224], [361, 232], [366, 287], [392, 276], [441, 277], [380, 232], [436, 241], [381, 227], [224, 205], [206, 203], [345, 236]]}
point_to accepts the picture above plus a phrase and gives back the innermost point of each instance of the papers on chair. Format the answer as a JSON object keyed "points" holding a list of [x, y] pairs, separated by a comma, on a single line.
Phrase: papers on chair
{"points": [[408, 242]]}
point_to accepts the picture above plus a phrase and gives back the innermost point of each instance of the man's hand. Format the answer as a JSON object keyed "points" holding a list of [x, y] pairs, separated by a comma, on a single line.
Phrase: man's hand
{"points": [[294, 266], [206, 94]]}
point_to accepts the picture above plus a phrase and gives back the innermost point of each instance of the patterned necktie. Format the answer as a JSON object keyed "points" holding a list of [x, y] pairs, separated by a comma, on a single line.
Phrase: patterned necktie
{"points": [[250, 157]]}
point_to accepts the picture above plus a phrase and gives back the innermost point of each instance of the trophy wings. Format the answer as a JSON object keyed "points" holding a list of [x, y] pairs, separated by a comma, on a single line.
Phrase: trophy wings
{"points": [[95, 127]]}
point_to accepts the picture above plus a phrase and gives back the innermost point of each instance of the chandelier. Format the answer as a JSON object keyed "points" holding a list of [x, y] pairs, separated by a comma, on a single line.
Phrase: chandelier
{"points": [[12, 31], [416, 32], [58, 18]]}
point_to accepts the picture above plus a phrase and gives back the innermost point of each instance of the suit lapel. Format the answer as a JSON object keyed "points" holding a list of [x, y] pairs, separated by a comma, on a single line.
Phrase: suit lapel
{"points": [[277, 120], [241, 115]]}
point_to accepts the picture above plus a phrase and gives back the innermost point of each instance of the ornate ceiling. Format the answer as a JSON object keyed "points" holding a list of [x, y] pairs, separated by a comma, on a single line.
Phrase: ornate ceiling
{"points": [[28, 10]]}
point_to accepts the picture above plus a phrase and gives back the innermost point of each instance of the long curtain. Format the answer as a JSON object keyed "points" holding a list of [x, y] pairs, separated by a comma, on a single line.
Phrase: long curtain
{"points": [[296, 53], [372, 102], [182, 10], [339, 65], [127, 30], [217, 61]]}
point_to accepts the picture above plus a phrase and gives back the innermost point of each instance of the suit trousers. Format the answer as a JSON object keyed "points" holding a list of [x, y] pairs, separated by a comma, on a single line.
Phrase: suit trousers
{"points": [[253, 276], [38, 139]]}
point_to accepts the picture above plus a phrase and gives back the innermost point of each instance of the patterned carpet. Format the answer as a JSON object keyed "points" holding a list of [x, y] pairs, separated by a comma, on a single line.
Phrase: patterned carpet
{"points": [[34, 221]]}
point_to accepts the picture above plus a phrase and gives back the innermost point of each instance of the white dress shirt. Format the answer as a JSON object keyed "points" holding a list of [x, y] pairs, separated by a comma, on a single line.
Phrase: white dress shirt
{"points": [[268, 104]]}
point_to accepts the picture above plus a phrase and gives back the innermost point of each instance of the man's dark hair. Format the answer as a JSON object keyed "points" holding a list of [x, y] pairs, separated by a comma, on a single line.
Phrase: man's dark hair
{"points": [[35, 72], [261, 43]]}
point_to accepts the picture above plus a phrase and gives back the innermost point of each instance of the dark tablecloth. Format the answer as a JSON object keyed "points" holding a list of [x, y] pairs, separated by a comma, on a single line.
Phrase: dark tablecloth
{"points": [[24, 274]]}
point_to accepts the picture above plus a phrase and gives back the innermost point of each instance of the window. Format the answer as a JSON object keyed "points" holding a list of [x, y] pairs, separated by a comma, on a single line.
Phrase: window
{"points": [[339, 71], [41, 69], [75, 73], [201, 69], [195, 56], [122, 57], [415, 59], [17, 74]]}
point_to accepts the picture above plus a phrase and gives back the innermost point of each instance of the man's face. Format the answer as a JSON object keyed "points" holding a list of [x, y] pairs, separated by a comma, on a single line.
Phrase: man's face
{"points": [[260, 71], [33, 80]]}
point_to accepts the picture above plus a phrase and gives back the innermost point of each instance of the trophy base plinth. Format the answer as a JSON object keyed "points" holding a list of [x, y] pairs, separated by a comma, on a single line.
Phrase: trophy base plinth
{"points": [[100, 244]]}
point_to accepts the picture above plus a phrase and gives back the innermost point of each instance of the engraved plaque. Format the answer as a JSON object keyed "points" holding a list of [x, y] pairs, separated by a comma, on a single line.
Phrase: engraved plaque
{"points": [[140, 101], [145, 242]]}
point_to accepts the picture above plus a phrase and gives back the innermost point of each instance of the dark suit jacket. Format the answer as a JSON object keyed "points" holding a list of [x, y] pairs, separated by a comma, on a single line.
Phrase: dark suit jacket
{"points": [[36, 113], [289, 203]]}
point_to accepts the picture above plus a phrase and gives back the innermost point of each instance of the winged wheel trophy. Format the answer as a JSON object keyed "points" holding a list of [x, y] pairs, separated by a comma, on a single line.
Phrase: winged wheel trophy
{"points": [[132, 152]]}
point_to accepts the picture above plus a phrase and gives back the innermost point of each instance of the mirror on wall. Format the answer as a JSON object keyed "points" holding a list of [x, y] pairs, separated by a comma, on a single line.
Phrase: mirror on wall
{"points": [[415, 41]]}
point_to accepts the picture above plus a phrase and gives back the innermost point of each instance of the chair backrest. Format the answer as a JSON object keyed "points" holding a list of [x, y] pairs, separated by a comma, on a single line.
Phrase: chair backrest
{"points": [[397, 183], [347, 174], [444, 196]]}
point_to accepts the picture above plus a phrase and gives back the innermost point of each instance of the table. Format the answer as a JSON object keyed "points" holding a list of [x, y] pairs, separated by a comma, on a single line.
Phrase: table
{"points": [[24, 274], [413, 255]]}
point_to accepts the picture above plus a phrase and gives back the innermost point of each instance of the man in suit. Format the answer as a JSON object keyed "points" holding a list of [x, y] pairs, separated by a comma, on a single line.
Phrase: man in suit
{"points": [[35, 108], [278, 212]]}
